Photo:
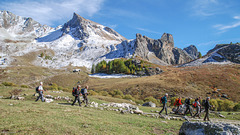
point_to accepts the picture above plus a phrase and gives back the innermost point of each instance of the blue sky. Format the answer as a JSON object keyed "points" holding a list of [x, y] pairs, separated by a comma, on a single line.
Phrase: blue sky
{"points": [[203, 23]]}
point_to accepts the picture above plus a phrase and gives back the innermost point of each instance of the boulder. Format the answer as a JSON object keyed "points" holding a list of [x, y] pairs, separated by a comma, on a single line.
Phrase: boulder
{"points": [[149, 104], [138, 111], [49, 96], [203, 128], [47, 100], [20, 98]]}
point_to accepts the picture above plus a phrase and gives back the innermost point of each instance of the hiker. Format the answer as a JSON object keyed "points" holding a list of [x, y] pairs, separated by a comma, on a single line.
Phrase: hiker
{"points": [[40, 90], [85, 94], [76, 93], [200, 102], [188, 106], [198, 106], [177, 103], [164, 102], [207, 107]]}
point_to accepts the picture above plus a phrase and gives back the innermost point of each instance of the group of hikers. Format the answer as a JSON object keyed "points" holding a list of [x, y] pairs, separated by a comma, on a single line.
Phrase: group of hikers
{"points": [[77, 92], [196, 104]]}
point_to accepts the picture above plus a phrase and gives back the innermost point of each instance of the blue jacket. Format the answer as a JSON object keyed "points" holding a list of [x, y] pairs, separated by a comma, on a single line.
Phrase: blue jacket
{"points": [[164, 99]]}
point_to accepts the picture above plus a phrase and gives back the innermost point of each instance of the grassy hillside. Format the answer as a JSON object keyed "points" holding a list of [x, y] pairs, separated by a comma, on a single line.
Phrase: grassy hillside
{"points": [[29, 117], [184, 81]]}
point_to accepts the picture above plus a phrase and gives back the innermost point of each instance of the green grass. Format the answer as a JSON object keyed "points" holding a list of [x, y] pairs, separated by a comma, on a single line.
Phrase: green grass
{"points": [[28, 117]]}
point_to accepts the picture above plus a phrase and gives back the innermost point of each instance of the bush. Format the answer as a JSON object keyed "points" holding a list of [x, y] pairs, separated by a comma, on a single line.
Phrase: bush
{"points": [[214, 104], [129, 97], [24, 86], [118, 96], [227, 105], [8, 84], [92, 93], [66, 89], [139, 102], [103, 93], [114, 93], [152, 99], [237, 107], [60, 88], [54, 86], [220, 103]]}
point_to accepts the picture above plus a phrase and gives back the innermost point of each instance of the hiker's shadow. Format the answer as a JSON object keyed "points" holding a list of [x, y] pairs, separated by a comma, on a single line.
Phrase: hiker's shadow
{"points": [[64, 103]]}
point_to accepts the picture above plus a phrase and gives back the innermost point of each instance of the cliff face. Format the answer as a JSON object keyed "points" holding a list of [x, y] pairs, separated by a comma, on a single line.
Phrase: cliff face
{"points": [[162, 48]]}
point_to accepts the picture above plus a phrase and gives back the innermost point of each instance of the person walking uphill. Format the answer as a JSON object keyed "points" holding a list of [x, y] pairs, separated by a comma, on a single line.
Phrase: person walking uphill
{"points": [[207, 107], [85, 94], [76, 93], [188, 106], [197, 104], [164, 102], [177, 103], [40, 90]]}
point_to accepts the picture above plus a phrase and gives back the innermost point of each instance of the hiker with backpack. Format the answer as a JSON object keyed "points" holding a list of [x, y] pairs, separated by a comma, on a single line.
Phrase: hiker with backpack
{"points": [[40, 90], [85, 94], [188, 106], [177, 103], [164, 102], [207, 107], [197, 106], [76, 93]]}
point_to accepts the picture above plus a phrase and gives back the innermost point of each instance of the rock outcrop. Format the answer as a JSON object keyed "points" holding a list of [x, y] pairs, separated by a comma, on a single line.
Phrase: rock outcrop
{"points": [[162, 48], [22, 25], [192, 51], [82, 28], [206, 128]]}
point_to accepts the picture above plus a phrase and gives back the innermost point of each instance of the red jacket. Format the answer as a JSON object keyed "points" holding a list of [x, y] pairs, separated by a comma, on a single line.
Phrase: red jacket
{"points": [[177, 102]]}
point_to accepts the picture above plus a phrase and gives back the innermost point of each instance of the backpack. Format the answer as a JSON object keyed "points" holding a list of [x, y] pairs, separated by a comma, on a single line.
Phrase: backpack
{"points": [[74, 91], [194, 104], [37, 89], [161, 100], [203, 102]]}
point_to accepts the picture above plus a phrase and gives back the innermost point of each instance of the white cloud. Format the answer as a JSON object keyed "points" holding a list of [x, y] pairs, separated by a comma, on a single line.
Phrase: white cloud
{"points": [[206, 7], [224, 28], [51, 11], [147, 30]]}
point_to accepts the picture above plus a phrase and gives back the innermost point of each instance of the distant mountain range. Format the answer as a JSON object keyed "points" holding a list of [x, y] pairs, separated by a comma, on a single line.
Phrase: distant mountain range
{"points": [[82, 42]]}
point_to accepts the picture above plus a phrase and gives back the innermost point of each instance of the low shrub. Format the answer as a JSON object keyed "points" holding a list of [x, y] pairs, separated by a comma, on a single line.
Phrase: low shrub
{"points": [[8, 84], [214, 104], [103, 93], [152, 99], [237, 107], [92, 93], [129, 97], [24, 86], [118, 96]]}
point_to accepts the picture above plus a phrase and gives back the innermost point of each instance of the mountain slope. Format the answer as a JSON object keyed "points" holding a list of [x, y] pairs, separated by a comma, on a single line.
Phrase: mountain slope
{"points": [[82, 42]]}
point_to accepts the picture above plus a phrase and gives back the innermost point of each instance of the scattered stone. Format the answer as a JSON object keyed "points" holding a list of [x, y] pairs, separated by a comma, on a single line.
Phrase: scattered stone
{"points": [[138, 111], [149, 104], [11, 104], [222, 116], [202, 128], [1, 97], [49, 96], [47, 100], [20, 98]]}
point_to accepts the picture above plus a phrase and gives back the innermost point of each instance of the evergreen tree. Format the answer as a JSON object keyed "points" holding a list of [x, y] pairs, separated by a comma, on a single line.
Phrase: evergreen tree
{"points": [[200, 55], [93, 68]]}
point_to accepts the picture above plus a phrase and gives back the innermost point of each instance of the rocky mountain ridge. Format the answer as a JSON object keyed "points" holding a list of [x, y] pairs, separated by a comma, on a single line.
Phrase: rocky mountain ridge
{"points": [[82, 42]]}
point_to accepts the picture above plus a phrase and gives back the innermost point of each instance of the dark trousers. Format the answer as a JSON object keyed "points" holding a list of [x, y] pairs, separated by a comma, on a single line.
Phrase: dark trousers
{"points": [[188, 108], [198, 112], [85, 99], [40, 96], [164, 107], [76, 99], [206, 115]]}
